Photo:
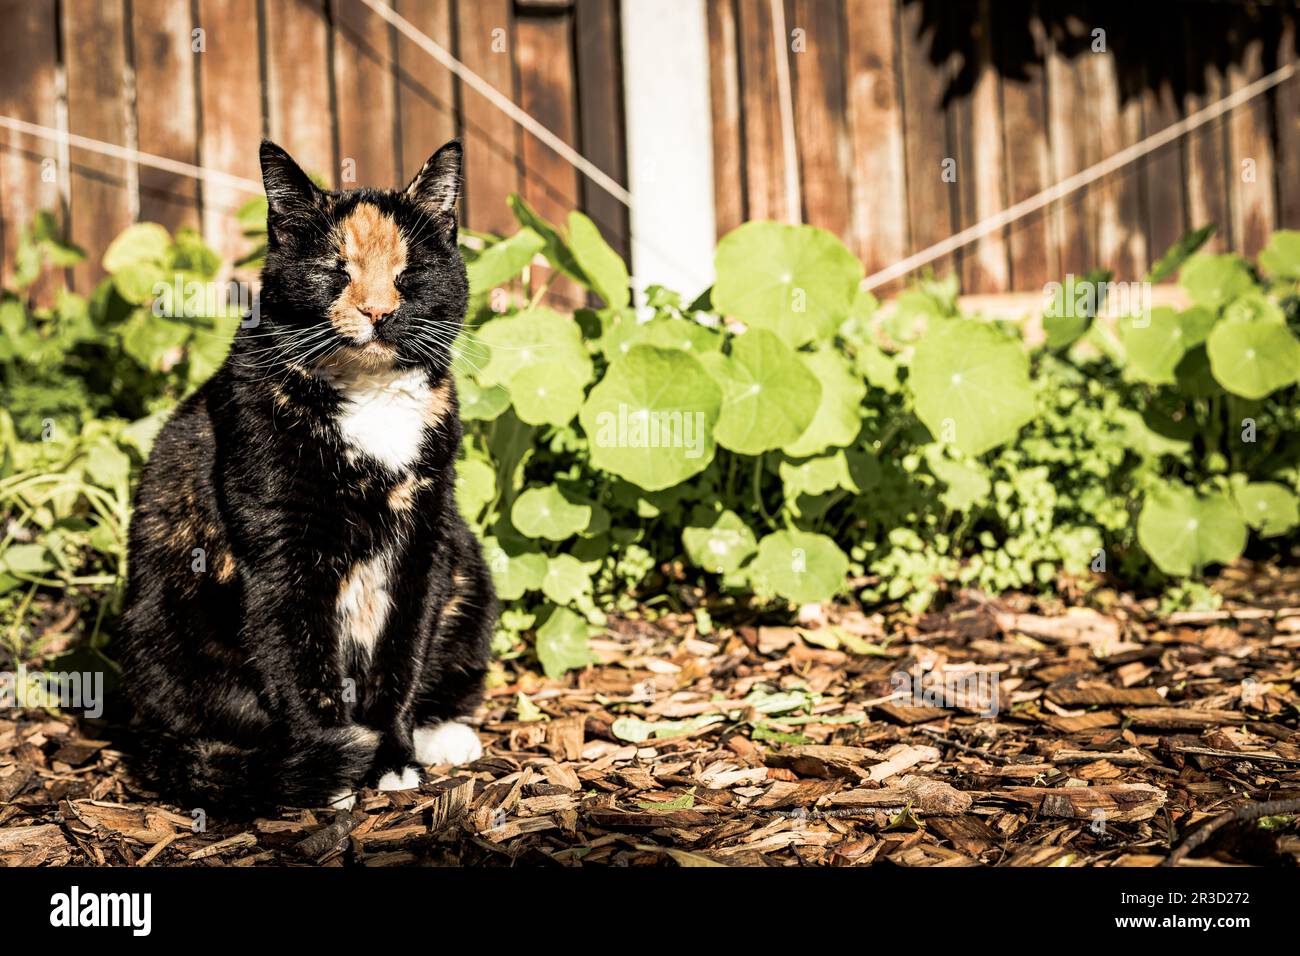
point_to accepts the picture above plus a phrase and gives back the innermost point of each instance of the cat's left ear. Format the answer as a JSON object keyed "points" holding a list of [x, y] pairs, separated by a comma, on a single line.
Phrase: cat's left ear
{"points": [[436, 188]]}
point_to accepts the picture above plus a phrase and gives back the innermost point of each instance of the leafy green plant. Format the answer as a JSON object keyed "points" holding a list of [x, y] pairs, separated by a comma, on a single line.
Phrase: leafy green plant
{"points": [[780, 440]]}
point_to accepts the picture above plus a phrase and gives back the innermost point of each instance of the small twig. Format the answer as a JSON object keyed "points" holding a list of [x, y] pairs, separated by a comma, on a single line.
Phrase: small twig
{"points": [[962, 748], [329, 837], [1244, 813]]}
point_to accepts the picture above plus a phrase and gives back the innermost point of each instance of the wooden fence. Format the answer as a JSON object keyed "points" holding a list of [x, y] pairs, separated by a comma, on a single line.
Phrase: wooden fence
{"points": [[349, 97], [913, 119], [1009, 97]]}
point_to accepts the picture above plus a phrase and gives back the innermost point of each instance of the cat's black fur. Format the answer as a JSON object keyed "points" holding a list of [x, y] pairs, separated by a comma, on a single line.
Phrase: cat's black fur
{"points": [[258, 519]]}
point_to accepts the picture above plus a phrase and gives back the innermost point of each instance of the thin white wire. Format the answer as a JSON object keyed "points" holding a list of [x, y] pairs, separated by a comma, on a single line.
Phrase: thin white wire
{"points": [[63, 137], [1080, 179], [500, 101]]}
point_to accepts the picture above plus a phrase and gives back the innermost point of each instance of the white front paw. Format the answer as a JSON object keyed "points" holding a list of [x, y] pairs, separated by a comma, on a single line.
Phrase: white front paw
{"points": [[408, 779], [450, 742], [343, 800]]}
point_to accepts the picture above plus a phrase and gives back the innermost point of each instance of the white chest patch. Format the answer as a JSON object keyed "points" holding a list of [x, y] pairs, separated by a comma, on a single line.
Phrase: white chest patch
{"points": [[383, 415], [364, 601]]}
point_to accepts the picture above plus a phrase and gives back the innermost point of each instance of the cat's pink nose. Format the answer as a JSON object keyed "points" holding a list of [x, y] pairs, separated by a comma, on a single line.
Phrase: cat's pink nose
{"points": [[375, 313]]}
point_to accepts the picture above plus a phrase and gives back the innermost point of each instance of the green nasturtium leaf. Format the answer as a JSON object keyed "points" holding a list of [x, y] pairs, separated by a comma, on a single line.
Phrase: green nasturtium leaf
{"points": [[1281, 257], [537, 337], [562, 643], [721, 548], [514, 574], [803, 567], [476, 485], [651, 419], [1251, 359], [142, 242], [479, 403], [547, 394], [816, 476], [673, 333], [546, 513], [769, 394], [1215, 280], [971, 385], [602, 264], [566, 579], [1183, 532], [797, 281], [503, 261], [1270, 508], [838, 417], [1154, 344]]}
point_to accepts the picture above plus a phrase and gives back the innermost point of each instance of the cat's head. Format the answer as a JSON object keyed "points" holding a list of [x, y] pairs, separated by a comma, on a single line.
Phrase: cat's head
{"points": [[369, 277]]}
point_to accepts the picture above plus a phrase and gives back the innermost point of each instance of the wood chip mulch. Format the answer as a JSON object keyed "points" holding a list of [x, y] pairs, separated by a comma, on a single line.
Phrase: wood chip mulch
{"points": [[1009, 732]]}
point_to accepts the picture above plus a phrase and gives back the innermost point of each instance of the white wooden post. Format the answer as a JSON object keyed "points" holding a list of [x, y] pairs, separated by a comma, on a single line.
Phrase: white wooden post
{"points": [[669, 143]]}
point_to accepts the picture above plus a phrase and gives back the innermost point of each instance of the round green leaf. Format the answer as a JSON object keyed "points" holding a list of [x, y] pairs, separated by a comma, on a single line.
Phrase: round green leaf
{"points": [[1281, 257], [1270, 508], [971, 385], [797, 281], [802, 567], [1252, 359], [142, 242], [770, 396], [838, 418], [479, 403], [651, 418], [1183, 532], [721, 548], [540, 336], [1214, 280], [548, 393], [566, 579], [514, 574], [1154, 344], [562, 643], [546, 513], [673, 333]]}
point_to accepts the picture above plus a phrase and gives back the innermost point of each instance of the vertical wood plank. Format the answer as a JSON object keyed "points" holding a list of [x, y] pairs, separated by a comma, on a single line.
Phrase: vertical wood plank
{"points": [[820, 109], [1206, 177], [929, 198], [600, 115], [760, 115], [1121, 235], [1250, 152], [426, 96], [299, 113], [364, 97], [487, 46], [1069, 127], [1287, 112], [165, 109], [230, 97], [976, 121], [1027, 154], [1163, 169], [729, 161], [550, 184], [880, 179], [28, 92], [100, 204]]}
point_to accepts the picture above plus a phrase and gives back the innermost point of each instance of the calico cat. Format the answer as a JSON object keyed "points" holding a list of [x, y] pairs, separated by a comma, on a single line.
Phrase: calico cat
{"points": [[306, 610]]}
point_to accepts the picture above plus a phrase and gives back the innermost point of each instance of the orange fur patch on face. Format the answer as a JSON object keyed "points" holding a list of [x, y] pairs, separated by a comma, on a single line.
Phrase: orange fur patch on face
{"points": [[375, 252], [226, 570]]}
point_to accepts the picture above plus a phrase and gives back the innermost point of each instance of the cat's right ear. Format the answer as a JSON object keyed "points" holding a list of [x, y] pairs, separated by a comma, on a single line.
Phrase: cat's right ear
{"points": [[290, 193]]}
